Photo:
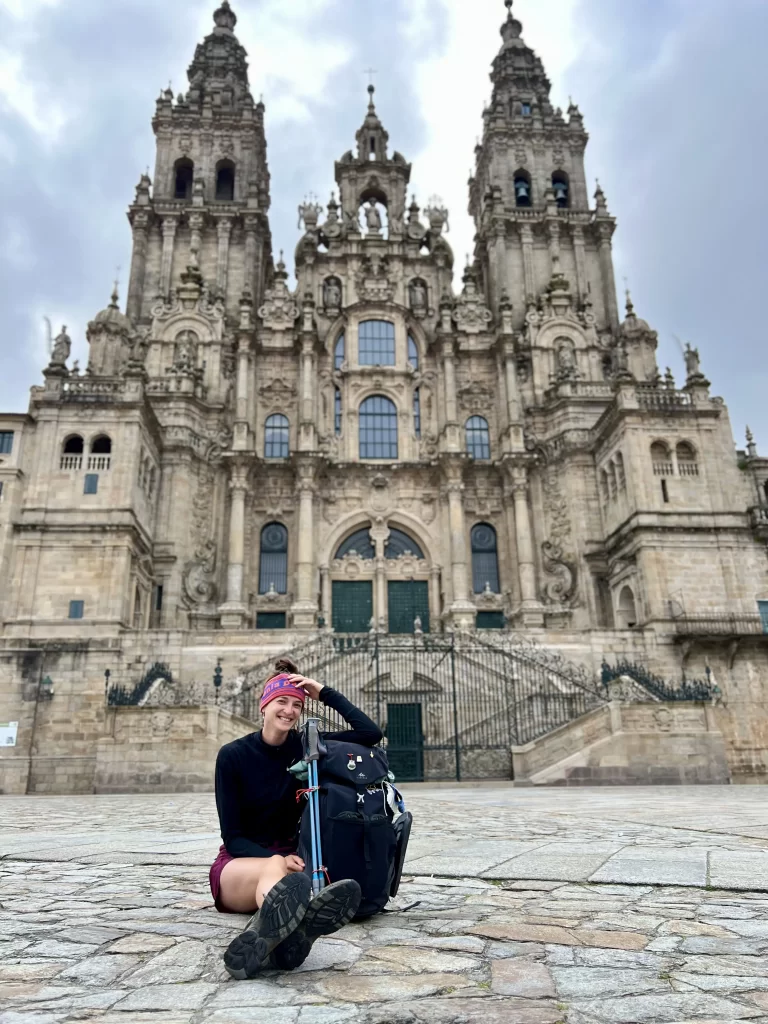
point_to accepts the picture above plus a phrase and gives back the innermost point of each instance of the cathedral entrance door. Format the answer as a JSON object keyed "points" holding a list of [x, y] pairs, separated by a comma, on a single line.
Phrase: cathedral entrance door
{"points": [[352, 605], [408, 600], [405, 742]]}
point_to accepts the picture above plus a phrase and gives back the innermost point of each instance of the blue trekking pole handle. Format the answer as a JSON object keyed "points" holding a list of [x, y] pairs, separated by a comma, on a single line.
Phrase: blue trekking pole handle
{"points": [[312, 754]]}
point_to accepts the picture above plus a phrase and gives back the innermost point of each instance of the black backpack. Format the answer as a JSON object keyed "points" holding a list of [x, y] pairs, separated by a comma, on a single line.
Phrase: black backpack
{"points": [[364, 827]]}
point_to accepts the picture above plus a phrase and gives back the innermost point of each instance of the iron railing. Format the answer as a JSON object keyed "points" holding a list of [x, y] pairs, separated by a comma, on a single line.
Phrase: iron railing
{"points": [[720, 625], [695, 690], [142, 691]]}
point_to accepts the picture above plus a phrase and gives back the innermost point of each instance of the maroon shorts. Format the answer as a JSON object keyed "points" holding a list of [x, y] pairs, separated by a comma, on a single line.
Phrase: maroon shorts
{"points": [[223, 858]]}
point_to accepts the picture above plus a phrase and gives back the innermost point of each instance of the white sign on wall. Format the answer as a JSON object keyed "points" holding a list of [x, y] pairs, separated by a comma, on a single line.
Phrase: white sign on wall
{"points": [[8, 731]]}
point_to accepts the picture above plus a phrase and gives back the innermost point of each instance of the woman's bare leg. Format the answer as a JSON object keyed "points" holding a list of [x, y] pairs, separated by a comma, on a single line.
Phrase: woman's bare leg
{"points": [[245, 881]]}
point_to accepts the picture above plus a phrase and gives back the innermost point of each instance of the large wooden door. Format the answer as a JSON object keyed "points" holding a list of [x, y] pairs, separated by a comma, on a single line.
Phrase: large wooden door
{"points": [[408, 600], [352, 605]]}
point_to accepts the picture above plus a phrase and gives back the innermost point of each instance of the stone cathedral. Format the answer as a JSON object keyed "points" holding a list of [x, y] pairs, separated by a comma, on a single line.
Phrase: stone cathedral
{"points": [[242, 466]]}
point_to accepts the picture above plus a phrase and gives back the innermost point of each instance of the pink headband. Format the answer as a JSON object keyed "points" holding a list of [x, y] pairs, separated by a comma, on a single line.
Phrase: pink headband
{"points": [[281, 686]]}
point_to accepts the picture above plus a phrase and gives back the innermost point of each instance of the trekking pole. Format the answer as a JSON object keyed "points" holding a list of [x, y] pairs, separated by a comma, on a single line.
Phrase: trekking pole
{"points": [[312, 756]]}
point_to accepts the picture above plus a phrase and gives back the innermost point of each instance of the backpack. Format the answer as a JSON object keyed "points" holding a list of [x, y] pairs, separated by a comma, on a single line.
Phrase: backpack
{"points": [[364, 826]]}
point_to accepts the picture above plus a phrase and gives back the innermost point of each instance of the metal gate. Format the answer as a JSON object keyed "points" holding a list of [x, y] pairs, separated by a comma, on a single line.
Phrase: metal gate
{"points": [[352, 605]]}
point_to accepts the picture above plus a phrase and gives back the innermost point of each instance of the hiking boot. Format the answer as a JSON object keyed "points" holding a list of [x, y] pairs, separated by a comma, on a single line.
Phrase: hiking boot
{"points": [[330, 910], [281, 914]]}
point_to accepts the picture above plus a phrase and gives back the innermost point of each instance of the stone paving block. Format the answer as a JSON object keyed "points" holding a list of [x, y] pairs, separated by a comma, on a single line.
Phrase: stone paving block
{"points": [[659, 866], [745, 869], [526, 978], [252, 1015], [667, 1006], [141, 943], [99, 970], [182, 962], [470, 860], [577, 983], [390, 987], [490, 1010], [572, 862], [412, 959], [167, 997]]}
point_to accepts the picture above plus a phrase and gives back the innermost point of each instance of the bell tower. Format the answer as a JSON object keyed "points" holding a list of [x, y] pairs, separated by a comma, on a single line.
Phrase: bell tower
{"points": [[528, 195], [207, 209]]}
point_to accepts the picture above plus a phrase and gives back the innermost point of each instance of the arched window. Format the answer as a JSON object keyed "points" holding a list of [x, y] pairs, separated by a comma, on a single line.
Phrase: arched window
{"points": [[184, 179], [376, 343], [273, 559], [359, 543], [627, 609], [339, 354], [225, 180], [72, 453], [276, 441], [612, 482], [413, 353], [523, 195], [417, 412], [399, 543], [478, 438], [661, 459], [101, 445], [561, 186], [101, 453], [74, 445], [687, 464], [337, 412], [485, 559], [378, 428]]}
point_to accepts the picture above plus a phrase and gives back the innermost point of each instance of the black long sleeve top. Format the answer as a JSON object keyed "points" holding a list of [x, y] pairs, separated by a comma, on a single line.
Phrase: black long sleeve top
{"points": [[255, 792]]}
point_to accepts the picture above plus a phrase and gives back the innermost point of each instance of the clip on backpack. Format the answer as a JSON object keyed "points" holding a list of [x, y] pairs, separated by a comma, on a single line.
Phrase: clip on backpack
{"points": [[354, 824]]}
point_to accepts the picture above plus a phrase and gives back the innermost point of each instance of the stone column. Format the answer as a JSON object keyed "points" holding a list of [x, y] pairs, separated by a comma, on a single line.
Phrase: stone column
{"points": [[224, 231], [435, 608], [578, 249], [307, 380], [138, 265], [451, 407], [304, 608], [170, 224], [501, 259], [243, 350], [526, 240], [605, 232], [530, 606], [380, 536], [325, 594], [463, 612], [234, 612], [251, 225], [514, 412]]}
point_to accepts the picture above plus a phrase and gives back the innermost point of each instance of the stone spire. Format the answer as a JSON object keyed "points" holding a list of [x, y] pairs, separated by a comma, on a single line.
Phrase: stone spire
{"points": [[518, 75], [219, 71], [372, 138]]}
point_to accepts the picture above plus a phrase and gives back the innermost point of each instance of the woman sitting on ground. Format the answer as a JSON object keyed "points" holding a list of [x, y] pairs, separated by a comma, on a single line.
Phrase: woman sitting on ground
{"points": [[257, 868]]}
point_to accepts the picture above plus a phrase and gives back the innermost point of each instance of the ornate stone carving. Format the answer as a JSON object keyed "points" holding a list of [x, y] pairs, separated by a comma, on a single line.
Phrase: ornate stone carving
{"points": [[62, 346], [418, 296], [332, 294], [373, 281], [277, 392], [280, 310], [470, 312], [560, 588]]}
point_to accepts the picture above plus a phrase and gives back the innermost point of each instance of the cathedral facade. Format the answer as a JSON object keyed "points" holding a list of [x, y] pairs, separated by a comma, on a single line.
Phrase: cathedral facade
{"points": [[242, 464]]}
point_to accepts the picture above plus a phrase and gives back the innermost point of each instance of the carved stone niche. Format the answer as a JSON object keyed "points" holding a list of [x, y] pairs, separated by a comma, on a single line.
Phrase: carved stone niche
{"points": [[418, 298], [353, 566], [332, 295]]}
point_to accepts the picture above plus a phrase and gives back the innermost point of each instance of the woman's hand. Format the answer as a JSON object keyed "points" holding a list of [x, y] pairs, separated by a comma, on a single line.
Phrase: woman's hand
{"points": [[294, 863], [310, 686]]}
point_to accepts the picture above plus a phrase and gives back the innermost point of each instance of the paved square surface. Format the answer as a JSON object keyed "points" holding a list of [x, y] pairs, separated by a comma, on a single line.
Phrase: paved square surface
{"points": [[519, 906]]}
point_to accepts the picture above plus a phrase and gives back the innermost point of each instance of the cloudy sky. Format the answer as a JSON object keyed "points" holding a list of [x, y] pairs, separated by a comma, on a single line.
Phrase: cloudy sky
{"points": [[672, 92]]}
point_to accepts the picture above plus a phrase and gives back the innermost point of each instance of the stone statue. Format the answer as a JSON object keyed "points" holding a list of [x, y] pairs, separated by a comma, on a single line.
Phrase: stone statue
{"points": [[332, 226], [332, 293], [372, 218], [692, 361], [418, 296], [62, 346]]}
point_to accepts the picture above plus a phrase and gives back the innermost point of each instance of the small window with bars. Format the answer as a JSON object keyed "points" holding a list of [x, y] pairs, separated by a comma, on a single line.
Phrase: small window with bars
{"points": [[276, 437], [478, 438], [270, 620], [378, 428], [337, 412], [413, 353], [417, 412]]}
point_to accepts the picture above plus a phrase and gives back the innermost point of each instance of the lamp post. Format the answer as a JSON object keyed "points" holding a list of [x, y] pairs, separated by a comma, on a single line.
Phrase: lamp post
{"points": [[217, 679], [107, 674]]}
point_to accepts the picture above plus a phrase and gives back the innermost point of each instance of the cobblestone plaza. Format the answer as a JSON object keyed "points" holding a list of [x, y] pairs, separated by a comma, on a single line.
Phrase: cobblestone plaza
{"points": [[581, 907]]}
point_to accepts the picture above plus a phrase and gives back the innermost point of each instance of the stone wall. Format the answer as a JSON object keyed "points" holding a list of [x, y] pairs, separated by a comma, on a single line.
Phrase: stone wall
{"points": [[629, 744], [163, 750]]}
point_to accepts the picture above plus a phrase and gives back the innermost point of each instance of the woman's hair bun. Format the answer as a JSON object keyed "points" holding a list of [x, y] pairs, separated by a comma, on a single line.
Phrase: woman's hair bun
{"points": [[286, 665]]}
